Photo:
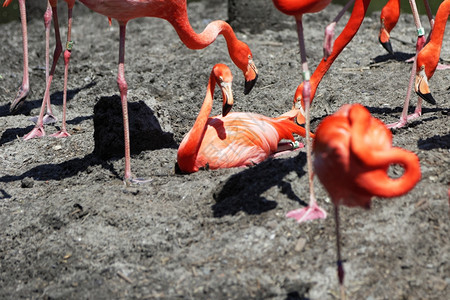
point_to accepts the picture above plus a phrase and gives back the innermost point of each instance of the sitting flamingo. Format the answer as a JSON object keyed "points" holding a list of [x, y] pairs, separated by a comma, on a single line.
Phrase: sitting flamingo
{"points": [[234, 139], [353, 152]]}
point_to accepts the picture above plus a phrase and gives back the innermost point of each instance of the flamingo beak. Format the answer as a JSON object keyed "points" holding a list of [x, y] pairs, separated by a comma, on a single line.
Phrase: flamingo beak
{"points": [[422, 89], [227, 97], [250, 76], [384, 41]]}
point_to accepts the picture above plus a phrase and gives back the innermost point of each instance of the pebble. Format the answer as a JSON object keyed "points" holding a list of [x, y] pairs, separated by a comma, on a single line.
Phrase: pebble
{"points": [[27, 182]]}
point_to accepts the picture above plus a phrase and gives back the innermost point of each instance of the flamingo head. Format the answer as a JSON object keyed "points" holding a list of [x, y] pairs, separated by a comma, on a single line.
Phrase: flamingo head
{"points": [[299, 104], [384, 38], [224, 80], [421, 85], [243, 59]]}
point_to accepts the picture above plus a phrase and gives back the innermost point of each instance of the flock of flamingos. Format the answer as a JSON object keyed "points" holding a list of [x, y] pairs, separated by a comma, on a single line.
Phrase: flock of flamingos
{"points": [[350, 143]]}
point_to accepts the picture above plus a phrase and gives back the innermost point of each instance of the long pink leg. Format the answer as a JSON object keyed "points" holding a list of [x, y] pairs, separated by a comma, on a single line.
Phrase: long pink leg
{"points": [[63, 132], [312, 211], [123, 88], [38, 130], [404, 118], [329, 31], [25, 87]]}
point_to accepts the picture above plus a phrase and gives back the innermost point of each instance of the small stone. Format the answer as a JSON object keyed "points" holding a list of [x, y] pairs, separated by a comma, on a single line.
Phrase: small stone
{"points": [[57, 147], [300, 244], [27, 182]]}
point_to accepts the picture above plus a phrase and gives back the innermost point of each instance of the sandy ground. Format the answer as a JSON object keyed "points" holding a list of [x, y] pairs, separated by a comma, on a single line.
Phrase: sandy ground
{"points": [[70, 229]]}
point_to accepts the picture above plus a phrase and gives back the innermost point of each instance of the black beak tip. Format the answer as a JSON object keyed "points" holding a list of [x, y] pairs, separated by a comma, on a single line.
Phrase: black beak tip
{"points": [[226, 109], [388, 47], [16, 104], [427, 97], [249, 85]]}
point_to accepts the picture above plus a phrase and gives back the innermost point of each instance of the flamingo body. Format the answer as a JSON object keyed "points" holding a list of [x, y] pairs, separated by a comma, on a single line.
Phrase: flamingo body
{"points": [[235, 140], [296, 8], [353, 152]]}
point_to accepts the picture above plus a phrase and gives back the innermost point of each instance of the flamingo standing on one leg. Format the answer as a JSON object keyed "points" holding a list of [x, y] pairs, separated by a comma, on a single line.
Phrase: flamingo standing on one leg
{"points": [[428, 57], [175, 12], [235, 139], [306, 90], [352, 154]]}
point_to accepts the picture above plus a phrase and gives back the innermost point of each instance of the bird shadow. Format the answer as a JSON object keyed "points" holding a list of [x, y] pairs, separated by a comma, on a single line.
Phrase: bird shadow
{"points": [[381, 112], [243, 191], [398, 56], [62, 170], [142, 127], [56, 98], [434, 142]]}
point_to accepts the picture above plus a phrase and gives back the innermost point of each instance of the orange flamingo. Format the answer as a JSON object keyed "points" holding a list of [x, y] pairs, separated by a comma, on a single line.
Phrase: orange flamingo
{"points": [[38, 131], [235, 139], [306, 90], [352, 154], [428, 57]]}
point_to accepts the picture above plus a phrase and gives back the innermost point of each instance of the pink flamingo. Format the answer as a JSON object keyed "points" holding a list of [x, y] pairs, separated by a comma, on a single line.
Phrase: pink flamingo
{"points": [[352, 154], [235, 139], [175, 12]]}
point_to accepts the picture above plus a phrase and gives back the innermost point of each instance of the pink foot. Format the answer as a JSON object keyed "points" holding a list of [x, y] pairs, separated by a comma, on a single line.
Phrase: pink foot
{"points": [[48, 119], [284, 148], [133, 180], [413, 116], [35, 133], [399, 124], [311, 212], [442, 67], [328, 42], [61, 134]]}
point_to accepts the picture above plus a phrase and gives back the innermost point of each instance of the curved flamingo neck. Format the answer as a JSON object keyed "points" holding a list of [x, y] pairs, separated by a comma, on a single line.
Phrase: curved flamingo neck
{"points": [[390, 14], [376, 162], [194, 40], [347, 34], [195, 136]]}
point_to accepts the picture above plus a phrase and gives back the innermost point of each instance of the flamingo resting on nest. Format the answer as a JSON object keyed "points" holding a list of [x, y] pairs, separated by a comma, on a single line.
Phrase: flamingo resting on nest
{"points": [[233, 139]]}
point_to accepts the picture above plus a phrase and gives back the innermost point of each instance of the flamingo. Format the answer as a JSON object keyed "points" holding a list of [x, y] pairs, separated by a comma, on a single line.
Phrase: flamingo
{"points": [[352, 154], [428, 57], [306, 90], [235, 139]]}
